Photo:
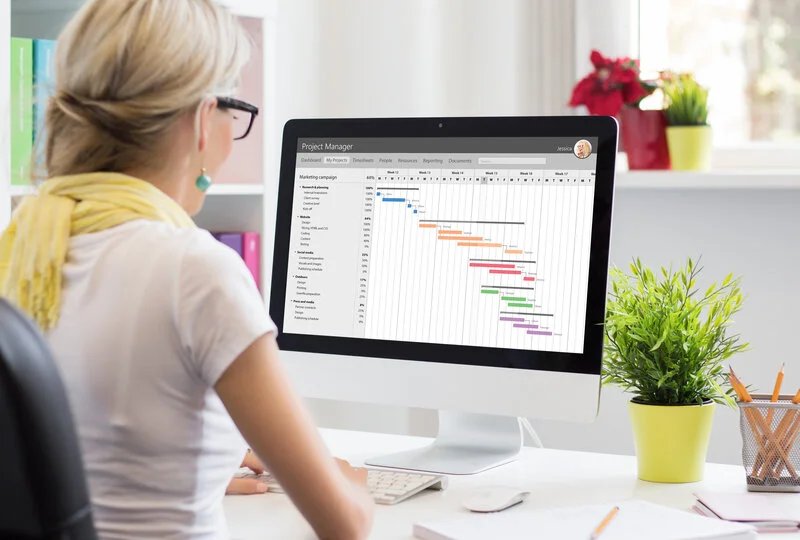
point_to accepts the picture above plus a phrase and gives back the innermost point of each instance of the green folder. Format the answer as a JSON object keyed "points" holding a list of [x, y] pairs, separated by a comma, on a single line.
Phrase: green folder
{"points": [[21, 110]]}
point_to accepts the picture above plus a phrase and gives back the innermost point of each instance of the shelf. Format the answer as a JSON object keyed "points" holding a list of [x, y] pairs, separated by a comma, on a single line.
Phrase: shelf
{"points": [[18, 191], [236, 189], [216, 189], [764, 179]]}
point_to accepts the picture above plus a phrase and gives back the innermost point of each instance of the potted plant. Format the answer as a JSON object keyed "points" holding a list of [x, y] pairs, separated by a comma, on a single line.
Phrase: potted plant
{"points": [[688, 132], [615, 88], [666, 342]]}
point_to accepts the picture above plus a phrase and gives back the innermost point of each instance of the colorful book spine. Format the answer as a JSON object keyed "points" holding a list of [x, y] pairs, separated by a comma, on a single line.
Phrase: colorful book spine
{"points": [[252, 255], [21, 110], [44, 81], [248, 246], [233, 241]]}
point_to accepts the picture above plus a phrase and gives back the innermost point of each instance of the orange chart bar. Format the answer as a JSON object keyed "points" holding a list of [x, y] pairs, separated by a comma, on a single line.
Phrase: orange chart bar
{"points": [[514, 251], [442, 231], [479, 244], [473, 238], [427, 225]]}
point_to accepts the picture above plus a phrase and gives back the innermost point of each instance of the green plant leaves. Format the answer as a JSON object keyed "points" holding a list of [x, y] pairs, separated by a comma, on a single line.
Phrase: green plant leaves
{"points": [[687, 104], [664, 341]]}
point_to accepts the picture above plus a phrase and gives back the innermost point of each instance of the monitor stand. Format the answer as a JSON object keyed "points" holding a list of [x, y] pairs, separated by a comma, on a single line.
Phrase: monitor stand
{"points": [[467, 443]]}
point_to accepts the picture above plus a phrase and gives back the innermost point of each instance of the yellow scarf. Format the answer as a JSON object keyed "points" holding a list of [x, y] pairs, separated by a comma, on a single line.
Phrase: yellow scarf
{"points": [[34, 246]]}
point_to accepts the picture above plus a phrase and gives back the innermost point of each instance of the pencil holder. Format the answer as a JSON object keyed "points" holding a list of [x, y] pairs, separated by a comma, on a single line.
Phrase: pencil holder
{"points": [[770, 446]]}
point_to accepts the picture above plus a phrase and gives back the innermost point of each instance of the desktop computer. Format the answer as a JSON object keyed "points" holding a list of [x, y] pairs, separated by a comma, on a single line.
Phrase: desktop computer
{"points": [[457, 264]]}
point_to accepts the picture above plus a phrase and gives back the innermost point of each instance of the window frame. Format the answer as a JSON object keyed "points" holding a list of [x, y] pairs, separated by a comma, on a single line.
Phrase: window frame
{"points": [[613, 28]]}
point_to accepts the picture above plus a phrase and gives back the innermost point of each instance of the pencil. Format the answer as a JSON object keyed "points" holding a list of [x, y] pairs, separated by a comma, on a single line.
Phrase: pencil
{"points": [[776, 392], [603, 524]]}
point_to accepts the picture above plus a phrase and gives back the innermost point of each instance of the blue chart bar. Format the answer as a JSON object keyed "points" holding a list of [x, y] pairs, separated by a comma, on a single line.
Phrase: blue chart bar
{"points": [[393, 199], [415, 211], [409, 205], [378, 194]]}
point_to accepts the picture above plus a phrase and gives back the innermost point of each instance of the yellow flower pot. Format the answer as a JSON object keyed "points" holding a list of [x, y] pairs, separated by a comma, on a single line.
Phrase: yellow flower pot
{"points": [[671, 441], [689, 147]]}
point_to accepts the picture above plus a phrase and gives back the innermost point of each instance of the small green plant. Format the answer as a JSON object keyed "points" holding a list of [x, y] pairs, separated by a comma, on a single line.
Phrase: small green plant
{"points": [[686, 102], [665, 342]]}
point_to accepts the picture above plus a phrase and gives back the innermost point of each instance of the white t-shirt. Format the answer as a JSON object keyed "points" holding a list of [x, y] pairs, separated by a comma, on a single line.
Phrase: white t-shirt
{"points": [[151, 317]]}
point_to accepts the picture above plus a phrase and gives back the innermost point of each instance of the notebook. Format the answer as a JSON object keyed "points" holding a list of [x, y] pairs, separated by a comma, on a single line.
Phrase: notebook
{"points": [[766, 512], [634, 521]]}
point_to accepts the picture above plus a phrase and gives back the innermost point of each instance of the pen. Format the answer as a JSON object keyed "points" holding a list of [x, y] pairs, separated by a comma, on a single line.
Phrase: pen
{"points": [[596, 534]]}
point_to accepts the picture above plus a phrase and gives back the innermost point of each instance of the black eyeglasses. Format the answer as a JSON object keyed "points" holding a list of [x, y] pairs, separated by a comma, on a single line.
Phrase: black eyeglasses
{"points": [[243, 118]]}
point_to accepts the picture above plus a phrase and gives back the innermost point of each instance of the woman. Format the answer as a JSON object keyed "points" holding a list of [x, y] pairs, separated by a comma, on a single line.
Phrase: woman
{"points": [[167, 353]]}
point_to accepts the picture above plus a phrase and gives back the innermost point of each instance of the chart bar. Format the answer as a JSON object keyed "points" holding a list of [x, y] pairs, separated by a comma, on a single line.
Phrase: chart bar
{"points": [[468, 238], [510, 288], [527, 314], [479, 244], [427, 226], [512, 319], [398, 188], [520, 305], [514, 252], [450, 231], [529, 278], [502, 260], [526, 326], [490, 265], [489, 291], [513, 299], [507, 272], [393, 199], [539, 333], [478, 222]]}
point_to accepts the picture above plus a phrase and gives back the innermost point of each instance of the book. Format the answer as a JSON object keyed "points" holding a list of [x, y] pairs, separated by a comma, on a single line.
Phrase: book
{"points": [[44, 81], [233, 241], [21, 110], [778, 512], [634, 521], [252, 255]]}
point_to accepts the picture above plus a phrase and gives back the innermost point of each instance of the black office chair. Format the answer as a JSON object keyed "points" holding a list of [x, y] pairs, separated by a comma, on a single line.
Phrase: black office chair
{"points": [[43, 492]]}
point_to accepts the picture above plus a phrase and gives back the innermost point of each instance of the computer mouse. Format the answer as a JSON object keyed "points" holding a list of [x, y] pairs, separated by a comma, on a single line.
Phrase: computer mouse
{"points": [[493, 499]]}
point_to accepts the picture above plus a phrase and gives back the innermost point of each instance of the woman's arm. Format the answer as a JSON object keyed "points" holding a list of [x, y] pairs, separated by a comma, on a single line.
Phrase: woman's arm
{"points": [[273, 420]]}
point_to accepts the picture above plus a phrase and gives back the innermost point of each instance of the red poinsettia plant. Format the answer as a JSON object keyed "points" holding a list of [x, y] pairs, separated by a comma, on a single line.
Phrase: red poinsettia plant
{"points": [[613, 84]]}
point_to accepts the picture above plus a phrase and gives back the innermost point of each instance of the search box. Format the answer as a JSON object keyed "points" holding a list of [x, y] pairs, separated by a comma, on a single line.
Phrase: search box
{"points": [[511, 161]]}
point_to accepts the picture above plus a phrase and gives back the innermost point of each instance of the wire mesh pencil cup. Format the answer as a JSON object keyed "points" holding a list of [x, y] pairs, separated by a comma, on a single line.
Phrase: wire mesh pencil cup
{"points": [[770, 445]]}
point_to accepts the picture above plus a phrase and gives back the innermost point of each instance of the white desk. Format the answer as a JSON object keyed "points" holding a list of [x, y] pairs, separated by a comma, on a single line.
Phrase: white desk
{"points": [[554, 478]]}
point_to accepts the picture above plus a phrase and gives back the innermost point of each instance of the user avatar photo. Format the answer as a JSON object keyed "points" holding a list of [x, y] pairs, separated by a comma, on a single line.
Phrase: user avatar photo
{"points": [[582, 149]]}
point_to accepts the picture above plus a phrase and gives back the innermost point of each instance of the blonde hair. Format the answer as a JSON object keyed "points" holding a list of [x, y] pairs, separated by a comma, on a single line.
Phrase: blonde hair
{"points": [[127, 70]]}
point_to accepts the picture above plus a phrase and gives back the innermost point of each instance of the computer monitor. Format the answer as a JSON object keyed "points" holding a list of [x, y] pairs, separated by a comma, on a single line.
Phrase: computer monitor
{"points": [[457, 264]]}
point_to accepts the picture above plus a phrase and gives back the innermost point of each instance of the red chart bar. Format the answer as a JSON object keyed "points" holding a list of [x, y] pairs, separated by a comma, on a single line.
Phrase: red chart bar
{"points": [[490, 265], [509, 272], [529, 278]]}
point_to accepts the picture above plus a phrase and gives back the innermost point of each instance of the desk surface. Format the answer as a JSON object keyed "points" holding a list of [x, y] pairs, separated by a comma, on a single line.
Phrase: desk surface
{"points": [[554, 478]]}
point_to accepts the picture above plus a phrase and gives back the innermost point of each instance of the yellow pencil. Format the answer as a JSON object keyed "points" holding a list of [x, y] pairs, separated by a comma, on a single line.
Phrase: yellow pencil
{"points": [[776, 392], [603, 524]]}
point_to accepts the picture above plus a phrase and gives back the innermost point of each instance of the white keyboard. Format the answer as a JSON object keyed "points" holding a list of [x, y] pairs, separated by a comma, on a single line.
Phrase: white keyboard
{"points": [[385, 486]]}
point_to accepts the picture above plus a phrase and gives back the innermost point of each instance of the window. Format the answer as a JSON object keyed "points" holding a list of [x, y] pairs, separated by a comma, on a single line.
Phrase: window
{"points": [[746, 51]]}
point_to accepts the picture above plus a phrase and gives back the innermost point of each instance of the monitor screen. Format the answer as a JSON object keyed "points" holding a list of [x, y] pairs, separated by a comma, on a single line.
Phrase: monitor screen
{"points": [[470, 241]]}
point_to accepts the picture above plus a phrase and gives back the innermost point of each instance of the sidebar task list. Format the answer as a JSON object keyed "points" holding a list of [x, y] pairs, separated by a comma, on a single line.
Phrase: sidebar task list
{"points": [[325, 252]]}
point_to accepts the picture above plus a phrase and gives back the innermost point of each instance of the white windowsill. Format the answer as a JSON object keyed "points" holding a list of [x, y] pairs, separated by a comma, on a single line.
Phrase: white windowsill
{"points": [[715, 179]]}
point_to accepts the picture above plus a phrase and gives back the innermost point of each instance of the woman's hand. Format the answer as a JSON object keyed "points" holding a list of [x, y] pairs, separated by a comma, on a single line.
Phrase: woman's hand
{"points": [[248, 486]]}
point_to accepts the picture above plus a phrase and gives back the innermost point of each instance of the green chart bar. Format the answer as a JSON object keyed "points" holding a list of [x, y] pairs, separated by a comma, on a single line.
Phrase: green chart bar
{"points": [[521, 305], [513, 299], [489, 291]]}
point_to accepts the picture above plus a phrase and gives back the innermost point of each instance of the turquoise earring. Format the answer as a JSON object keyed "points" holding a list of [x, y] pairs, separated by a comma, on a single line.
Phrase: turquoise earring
{"points": [[203, 181]]}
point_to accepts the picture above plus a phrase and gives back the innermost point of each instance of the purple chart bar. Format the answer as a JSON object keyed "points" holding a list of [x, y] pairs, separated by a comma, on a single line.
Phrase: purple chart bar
{"points": [[540, 333], [526, 326], [511, 319]]}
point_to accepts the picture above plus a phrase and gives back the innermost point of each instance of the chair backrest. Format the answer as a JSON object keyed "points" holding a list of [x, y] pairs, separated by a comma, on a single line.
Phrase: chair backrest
{"points": [[43, 492]]}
